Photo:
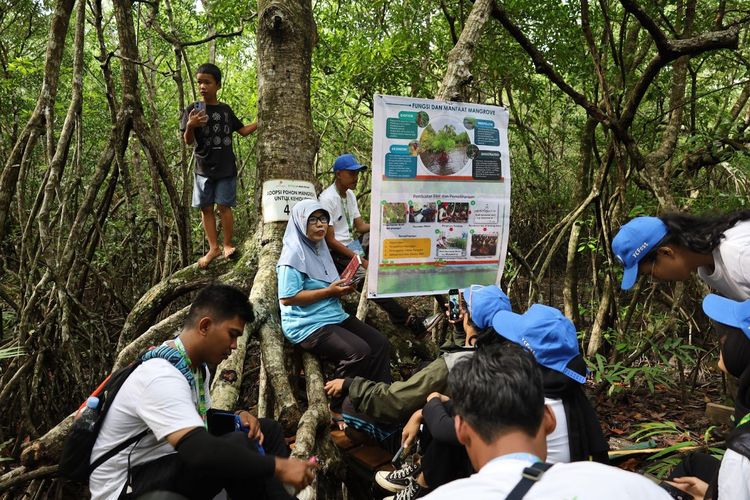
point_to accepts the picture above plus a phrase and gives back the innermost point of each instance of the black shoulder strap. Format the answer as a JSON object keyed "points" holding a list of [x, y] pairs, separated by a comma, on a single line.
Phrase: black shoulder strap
{"points": [[530, 476], [117, 449]]}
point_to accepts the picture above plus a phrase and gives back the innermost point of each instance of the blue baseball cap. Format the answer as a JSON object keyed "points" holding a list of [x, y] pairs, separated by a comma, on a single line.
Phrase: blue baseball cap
{"points": [[547, 333], [729, 312], [633, 241], [347, 161], [483, 302]]}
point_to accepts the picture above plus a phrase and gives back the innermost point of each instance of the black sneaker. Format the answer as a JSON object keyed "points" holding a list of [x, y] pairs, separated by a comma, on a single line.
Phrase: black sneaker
{"points": [[398, 479], [412, 490]]}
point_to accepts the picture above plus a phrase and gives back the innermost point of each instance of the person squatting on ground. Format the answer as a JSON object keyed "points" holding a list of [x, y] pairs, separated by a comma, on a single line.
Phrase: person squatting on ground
{"points": [[501, 419], [340, 202], [173, 402], [700, 474], [208, 125], [311, 312], [552, 338], [673, 246]]}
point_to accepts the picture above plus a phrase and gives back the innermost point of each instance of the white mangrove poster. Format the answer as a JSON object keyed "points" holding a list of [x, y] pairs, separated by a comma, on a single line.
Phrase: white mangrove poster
{"points": [[440, 196]]}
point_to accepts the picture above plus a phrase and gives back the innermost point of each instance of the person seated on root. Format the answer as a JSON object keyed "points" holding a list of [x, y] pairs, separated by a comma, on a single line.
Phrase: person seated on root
{"points": [[311, 312], [170, 399], [552, 338], [673, 246], [700, 474], [502, 421], [208, 125], [340, 202]]}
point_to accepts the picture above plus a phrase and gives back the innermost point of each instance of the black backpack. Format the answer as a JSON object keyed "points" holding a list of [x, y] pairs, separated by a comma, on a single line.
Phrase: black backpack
{"points": [[75, 460]]}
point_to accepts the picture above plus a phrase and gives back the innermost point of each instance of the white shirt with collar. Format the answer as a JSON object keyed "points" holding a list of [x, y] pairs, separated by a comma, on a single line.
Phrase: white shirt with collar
{"points": [[334, 204], [577, 480]]}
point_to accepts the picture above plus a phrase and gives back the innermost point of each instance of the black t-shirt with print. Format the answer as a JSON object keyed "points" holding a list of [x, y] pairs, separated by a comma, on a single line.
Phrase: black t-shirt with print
{"points": [[213, 152]]}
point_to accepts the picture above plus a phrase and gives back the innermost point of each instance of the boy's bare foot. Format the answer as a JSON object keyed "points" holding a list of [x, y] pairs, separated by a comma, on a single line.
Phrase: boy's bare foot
{"points": [[204, 261], [230, 252]]}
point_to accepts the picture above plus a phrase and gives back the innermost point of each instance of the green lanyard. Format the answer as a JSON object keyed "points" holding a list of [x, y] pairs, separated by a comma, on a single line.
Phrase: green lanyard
{"points": [[744, 420], [201, 406], [346, 213]]}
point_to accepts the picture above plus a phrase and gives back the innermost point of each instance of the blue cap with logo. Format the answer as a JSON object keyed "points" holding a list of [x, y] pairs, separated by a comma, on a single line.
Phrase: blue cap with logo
{"points": [[547, 333], [729, 312], [347, 161], [634, 241], [483, 302]]}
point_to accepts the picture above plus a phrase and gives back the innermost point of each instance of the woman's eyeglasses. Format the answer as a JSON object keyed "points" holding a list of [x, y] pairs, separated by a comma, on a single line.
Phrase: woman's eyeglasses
{"points": [[323, 219]]}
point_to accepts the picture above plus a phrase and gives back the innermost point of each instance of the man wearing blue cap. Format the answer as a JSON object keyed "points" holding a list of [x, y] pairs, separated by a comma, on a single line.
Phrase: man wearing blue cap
{"points": [[340, 202], [673, 246]]}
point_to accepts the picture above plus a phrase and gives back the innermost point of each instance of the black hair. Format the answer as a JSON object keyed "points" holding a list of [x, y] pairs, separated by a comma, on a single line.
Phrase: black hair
{"points": [[488, 337], [210, 69], [220, 302], [701, 234], [498, 389]]}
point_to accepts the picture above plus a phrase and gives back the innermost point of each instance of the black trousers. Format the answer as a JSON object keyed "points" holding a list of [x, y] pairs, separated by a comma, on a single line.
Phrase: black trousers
{"points": [[358, 350], [170, 473], [701, 465], [442, 462]]}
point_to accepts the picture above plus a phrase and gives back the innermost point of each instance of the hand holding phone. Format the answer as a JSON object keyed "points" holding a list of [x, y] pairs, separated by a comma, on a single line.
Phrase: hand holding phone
{"points": [[454, 305]]}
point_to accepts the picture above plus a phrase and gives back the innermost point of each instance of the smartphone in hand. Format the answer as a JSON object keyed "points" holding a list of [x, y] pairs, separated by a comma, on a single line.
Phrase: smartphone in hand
{"points": [[454, 307]]}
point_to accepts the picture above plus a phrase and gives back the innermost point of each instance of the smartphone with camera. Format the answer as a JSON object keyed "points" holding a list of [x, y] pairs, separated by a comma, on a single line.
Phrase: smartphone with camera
{"points": [[673, 491], [454, 304], [199, 106]]}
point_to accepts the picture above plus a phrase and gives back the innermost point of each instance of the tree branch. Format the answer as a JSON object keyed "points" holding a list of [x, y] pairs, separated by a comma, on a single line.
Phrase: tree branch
{"points": [[545, 68]]}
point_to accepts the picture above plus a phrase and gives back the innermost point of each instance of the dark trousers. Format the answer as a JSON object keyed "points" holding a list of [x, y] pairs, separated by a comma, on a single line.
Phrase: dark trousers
{"points": [[170, 473], [442, 462], [358, 350], [701, 465]]}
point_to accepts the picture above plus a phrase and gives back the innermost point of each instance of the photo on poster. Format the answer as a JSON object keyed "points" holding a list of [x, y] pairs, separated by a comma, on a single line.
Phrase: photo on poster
{"points": [[451, 244], [395, 213], [484, 244], [453, 213], [422, 213], [442, 146]]}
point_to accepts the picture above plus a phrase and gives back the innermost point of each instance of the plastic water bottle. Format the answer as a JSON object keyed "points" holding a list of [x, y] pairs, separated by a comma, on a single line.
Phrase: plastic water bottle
{"points": [[89, 415]]}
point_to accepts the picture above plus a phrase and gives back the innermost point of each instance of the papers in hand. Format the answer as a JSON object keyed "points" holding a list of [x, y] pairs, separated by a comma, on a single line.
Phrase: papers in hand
{"points": [[354, 272]]}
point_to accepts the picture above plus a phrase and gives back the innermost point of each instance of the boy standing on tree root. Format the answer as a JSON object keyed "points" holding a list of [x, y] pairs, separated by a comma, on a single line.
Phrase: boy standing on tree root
{"points": [[208, 125]]}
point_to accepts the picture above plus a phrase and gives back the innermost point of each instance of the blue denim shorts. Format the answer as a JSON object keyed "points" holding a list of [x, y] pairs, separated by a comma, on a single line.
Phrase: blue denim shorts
{"points": [[207, 191]]}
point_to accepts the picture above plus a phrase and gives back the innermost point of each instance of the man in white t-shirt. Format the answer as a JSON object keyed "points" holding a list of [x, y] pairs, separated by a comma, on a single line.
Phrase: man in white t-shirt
{"points": [[502, 421], [340, 202], [172, 401]]}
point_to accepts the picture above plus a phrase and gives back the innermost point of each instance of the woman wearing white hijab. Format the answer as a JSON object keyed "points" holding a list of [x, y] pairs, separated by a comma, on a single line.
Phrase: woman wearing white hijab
{"points": [[311, 312]]}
